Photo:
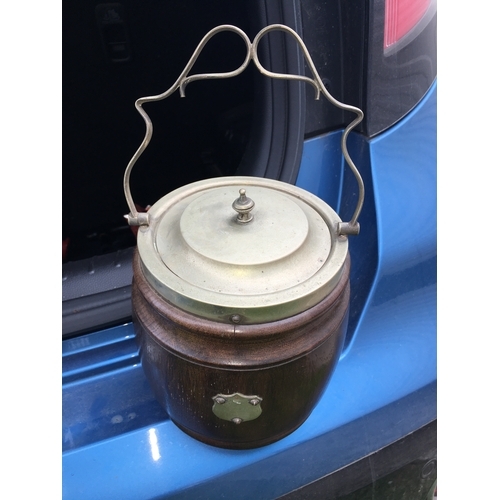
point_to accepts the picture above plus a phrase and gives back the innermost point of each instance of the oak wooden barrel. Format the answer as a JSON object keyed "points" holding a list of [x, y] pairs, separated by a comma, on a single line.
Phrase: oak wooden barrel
{"points": [[240, 307], [241, 318], [281, 367]]}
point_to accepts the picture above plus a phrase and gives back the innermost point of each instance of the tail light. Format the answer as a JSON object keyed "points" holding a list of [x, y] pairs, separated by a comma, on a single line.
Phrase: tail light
{"points": [[404, 20]]}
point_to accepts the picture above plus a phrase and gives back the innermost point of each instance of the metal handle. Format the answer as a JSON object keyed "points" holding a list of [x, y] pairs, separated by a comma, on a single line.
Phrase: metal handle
{"points": [[136, 218]]}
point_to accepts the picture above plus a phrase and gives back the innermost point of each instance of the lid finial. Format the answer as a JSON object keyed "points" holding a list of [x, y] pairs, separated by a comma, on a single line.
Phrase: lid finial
{"points": [[243, 205]]}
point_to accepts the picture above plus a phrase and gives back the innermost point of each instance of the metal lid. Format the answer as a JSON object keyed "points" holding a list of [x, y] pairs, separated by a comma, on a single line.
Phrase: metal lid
{"points": [[242, 249]]}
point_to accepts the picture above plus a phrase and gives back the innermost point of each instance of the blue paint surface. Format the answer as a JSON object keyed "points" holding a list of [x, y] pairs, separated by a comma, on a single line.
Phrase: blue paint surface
{"points": [[119, 444]]}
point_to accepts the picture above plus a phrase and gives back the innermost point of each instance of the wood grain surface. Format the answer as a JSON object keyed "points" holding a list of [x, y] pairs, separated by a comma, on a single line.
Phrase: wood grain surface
{"points": [[188, 360]]}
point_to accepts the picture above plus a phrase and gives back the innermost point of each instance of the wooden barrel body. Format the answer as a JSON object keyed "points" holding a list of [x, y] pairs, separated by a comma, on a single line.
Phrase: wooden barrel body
{"points": [[238, 386]]}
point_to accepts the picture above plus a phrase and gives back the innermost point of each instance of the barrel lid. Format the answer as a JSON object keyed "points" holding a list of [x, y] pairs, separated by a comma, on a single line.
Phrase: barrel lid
{"points": [[242, 249]]}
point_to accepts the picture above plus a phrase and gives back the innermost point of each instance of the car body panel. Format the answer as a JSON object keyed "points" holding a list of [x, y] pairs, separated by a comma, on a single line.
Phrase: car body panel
{"points": [[383, 388]]}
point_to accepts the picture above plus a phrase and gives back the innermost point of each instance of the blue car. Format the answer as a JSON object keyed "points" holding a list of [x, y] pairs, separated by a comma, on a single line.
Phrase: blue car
{"points": [[373, 432]]}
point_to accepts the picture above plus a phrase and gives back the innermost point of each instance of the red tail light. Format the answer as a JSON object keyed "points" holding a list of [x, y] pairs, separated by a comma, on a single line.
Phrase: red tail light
{"points": [[401, 17]]}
